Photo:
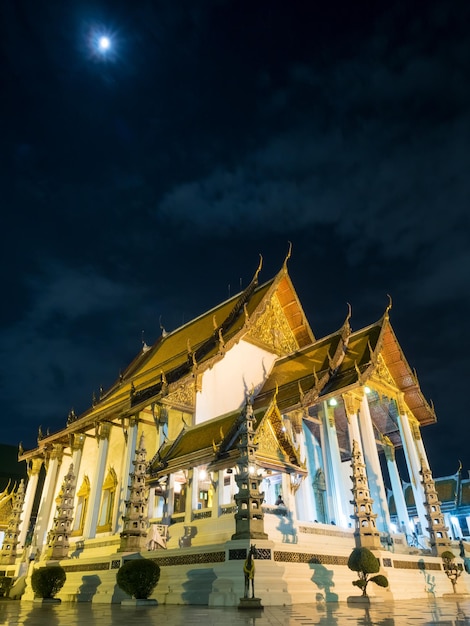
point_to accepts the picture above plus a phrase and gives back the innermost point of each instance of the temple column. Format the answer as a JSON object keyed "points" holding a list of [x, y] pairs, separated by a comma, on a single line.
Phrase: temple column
{"points": [[102, 438], [76, 445], [413, 464], [332, 463], [397, 488], [305, 500], [374, 470], [129, 453], [218, 494], [33, 477], [189, 499], [48, 493], [352, 404], [419, 442], [170, 501]]}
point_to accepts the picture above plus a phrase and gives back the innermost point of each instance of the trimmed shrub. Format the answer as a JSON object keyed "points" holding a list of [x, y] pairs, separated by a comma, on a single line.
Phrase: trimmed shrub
{"points": [[365, 563], [138, 578], [5, 586], [48, 581]]}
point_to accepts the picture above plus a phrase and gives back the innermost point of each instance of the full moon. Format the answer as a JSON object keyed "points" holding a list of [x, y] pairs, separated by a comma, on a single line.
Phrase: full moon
{"points": [[104, 43]]}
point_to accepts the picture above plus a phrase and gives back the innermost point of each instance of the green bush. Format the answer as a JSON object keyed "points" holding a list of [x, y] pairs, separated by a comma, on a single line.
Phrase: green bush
{"points": [[365, 563], [48, 581], [138, 577], [5, 585]]}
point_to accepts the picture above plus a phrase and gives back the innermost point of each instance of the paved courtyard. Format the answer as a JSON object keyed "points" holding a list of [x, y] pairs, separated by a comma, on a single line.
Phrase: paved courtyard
{"points": [[447, 612]]}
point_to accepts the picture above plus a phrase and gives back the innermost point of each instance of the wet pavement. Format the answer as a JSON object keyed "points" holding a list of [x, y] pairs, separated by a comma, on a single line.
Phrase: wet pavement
{"points": [[446, 612]]}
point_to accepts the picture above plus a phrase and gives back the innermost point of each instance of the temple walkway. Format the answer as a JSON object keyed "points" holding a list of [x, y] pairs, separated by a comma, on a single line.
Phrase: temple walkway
{"points": [[448, 612]]}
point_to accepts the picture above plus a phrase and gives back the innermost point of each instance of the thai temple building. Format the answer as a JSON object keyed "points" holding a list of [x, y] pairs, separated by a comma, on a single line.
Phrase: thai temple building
{"points": [[242, 427]]}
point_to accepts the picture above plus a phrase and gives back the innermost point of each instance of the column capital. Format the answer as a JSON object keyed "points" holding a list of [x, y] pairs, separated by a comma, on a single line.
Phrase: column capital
{"points": [[77, 441], [389, 449], [352, 402], [34, 466], [102, 430], [401, 405], [57, 452]]}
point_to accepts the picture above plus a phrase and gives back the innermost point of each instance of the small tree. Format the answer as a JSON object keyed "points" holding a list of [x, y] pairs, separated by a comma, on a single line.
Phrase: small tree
{"points": [[48, 581], [365, 563], [138, 577], [453, 570]]}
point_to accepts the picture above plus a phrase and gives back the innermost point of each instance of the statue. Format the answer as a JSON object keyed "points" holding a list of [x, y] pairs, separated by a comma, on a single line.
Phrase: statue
{"points": [[249, 571]]}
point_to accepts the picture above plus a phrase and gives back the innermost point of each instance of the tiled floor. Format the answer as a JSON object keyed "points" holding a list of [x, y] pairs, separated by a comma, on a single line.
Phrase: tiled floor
{"points": [[447, 612]]}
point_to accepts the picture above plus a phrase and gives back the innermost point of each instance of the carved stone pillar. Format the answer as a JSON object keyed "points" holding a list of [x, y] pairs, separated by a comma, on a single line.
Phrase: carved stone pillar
{"points": [[48, 494], [33, 477], [102, 437], [129, 451]]}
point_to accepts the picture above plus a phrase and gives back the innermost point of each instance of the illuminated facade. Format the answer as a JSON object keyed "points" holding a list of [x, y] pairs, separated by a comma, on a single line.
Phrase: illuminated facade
{"points": [[250, 423]]}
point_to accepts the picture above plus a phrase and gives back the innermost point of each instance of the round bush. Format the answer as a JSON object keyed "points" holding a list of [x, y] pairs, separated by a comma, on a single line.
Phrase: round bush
{"points": [[363, 560], [138, 578], [47, 581]]}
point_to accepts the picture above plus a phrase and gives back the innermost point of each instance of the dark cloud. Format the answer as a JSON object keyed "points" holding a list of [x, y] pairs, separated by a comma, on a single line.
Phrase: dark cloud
{"points": [[145, 186]]}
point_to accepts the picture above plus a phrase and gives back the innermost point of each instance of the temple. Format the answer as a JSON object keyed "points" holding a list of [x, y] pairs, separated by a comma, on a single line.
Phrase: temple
{"points": [[241, 427]]}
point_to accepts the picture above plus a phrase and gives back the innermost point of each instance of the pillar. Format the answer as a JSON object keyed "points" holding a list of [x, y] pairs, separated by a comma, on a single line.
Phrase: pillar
{"points": [[374, 470], [33, 477], [336, 491], [397, 488], [48, 494], [102, 438], [305, 500], [412, 463]]}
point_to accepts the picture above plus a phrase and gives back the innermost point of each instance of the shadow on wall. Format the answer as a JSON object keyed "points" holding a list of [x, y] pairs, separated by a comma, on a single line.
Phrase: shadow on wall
{"points": [[88, 588], [286, 526], [198, 586], [429, 579], [323, 579]]}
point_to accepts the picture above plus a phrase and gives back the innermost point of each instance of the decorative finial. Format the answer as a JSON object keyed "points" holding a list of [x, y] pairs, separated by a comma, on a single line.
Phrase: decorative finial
{"points": [[288, 255], [145, 347], [20, 449], [301, 391], [164, 333], [348, 316], [40, 435], [214, 322], [389, 305], [315, 376], [260, 265], [188, 346]]}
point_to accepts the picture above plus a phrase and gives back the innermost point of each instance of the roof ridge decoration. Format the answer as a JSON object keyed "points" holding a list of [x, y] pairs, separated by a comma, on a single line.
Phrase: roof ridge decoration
{"points": [[288, 256]]}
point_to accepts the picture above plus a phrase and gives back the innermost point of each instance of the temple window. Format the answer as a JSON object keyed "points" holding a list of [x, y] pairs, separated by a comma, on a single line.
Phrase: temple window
{"points": [[81, 509], [108, 493]]}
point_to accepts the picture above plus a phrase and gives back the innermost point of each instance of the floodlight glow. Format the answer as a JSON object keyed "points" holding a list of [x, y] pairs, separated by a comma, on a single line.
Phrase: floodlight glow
{"points": [[393, 528], [367, 389], [333, 402]]}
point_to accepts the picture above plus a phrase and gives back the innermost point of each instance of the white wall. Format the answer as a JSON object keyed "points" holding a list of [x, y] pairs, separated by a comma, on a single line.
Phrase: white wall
{"points": [[224, 387]]}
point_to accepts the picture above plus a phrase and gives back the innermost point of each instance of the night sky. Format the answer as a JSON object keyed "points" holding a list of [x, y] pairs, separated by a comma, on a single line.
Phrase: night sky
{"points": [[139, 185]]}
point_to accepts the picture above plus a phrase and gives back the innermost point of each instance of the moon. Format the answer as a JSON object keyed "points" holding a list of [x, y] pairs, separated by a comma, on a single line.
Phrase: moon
{"points": [[104, 43]]}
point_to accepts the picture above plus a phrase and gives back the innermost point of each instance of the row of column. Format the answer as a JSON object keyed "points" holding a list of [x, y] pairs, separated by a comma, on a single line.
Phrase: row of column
{"points": [[52, 464], [337, 493]]}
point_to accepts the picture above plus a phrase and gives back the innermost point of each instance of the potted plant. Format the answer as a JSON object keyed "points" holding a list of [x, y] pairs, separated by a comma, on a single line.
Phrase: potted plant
{"points": [[138, 578], [365, 563], [47, 582], [453, 570]]}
